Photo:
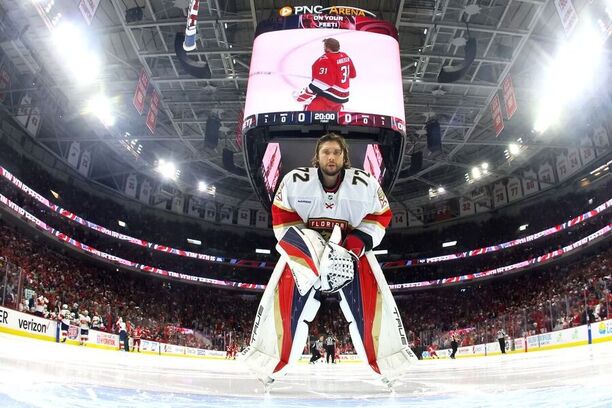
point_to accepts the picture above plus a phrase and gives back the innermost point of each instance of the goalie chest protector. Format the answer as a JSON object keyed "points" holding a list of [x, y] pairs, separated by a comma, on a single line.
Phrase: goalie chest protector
{"points": [[358, 198]]}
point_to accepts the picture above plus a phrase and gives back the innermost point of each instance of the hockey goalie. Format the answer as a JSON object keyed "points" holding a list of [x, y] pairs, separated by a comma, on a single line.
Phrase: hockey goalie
{"points": [[327, 218]]}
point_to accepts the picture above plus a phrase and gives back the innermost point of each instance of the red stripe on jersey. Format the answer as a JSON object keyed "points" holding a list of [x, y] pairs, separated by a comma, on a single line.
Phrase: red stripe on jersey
{"points": [[281, 216], [286, 286], [383, 218]]}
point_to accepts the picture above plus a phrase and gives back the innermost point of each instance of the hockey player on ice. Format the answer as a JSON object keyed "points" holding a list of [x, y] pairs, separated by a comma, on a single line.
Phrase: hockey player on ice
{"points": [[64, 318], [347, 206], [84, 323]]}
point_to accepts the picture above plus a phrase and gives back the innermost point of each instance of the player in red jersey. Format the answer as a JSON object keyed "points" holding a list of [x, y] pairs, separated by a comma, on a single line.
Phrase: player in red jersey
{"points": [[137, 335], [331, 78], [230, 353], [432, 351]]}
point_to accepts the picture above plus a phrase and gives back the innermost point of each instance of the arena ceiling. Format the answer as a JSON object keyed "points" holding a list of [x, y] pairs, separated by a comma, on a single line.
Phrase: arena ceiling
{"points": [[513, 37]]}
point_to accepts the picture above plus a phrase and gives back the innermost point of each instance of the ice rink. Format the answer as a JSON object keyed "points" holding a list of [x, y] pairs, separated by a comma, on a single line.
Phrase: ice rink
{"points": [[42, 374]]}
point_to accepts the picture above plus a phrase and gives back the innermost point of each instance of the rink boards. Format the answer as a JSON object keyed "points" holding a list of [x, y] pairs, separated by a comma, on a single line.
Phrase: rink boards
{"points": [[597, 332], [22, 324]]}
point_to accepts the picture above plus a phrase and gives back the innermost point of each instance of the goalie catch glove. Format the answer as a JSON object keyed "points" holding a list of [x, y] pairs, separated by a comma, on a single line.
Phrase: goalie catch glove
{"points": [[337, 268], [305, 95], [339, 263]]}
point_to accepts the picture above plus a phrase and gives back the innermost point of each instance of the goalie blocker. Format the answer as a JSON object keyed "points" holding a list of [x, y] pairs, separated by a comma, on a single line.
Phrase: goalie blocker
{"points": [[286, 308]]}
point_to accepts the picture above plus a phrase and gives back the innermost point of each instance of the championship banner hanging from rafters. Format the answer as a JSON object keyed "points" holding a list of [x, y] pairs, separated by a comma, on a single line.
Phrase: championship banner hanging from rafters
{"points": [[5, 83], [509, 97], [568, 15], [498, 120], [141, 91], [153, 110], [88, 9]]}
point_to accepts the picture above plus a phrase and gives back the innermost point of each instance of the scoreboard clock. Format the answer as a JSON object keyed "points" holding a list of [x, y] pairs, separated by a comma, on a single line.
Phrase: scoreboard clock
{"points": [[315, 73]]}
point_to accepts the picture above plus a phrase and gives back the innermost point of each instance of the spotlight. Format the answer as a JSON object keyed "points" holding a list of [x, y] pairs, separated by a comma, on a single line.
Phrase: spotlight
{"points": [[100, 106], [476, 174], [202, 186], [167, 169], [514, 149]]}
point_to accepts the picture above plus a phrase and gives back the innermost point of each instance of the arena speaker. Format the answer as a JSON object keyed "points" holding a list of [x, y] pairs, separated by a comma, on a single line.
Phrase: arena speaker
{"points": [[134, 14], [434, 136], [229, 165], [211, 135], [416, 162]]}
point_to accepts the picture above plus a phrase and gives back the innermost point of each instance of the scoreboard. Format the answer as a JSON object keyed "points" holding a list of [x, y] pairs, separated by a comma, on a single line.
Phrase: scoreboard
{"points": [[302, 118], [356, 91]]}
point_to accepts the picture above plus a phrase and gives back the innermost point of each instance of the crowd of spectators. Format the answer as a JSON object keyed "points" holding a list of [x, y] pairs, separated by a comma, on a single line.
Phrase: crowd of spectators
{"points": [[151, 225], [562, 295], [160, 307], [535, 302], [147, 256], [549, 299]]}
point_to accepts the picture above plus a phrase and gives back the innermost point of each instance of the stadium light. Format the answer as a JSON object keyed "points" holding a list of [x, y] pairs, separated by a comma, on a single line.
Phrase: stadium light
{"points": [[101, 106], [202, 186], [523, 227], [121, 223], [380, 252], [449, 244], [441, 190], [194, 241], [514, 149], [262, 251], [83, 63], [167, 169], [587, 42], [476, 174]]}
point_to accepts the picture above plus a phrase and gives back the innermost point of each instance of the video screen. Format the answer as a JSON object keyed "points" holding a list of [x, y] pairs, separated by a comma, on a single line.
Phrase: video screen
{"points": [[326, 69], [271, 167], [373, 162]]}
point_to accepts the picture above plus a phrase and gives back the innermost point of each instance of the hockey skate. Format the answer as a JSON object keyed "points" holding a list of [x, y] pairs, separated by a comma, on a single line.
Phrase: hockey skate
{"points": [[267, 383]]}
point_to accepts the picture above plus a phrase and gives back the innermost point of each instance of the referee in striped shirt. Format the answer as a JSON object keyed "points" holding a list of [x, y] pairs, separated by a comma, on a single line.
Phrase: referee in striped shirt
{"points": [[330, 348]]}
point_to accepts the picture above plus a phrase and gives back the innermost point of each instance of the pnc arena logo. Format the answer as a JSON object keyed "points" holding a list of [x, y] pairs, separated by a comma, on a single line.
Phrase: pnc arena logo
{"points": [[287, 11]]}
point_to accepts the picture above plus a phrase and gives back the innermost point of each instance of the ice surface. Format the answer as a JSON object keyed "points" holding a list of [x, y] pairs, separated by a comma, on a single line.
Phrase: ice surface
{"points": [[42, 374]]}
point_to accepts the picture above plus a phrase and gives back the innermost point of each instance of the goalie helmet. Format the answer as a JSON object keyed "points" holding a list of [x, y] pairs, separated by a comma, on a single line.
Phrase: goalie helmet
{"points": [[64, 307]]}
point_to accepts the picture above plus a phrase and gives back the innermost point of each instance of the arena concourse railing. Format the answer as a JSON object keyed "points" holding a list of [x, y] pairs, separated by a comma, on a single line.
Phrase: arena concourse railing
{"points": [[41, 225], [269, 265]]}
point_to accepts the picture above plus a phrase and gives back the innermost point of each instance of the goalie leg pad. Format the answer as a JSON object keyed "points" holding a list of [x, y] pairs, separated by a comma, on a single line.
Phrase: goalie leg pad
{"points": [[281, 325], [375, 324]]}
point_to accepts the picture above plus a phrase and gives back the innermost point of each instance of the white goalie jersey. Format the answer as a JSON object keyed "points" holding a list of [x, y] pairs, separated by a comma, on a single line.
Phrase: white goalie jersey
{"points": [[357, 202]]}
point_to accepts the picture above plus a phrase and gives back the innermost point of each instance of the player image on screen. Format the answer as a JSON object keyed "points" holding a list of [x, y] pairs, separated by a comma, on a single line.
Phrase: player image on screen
{"points": [[331, 79]]}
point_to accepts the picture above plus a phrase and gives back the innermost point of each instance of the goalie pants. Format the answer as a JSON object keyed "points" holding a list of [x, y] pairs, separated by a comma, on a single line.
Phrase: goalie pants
{"points": [[323, 104], [280, 329]]}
